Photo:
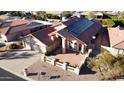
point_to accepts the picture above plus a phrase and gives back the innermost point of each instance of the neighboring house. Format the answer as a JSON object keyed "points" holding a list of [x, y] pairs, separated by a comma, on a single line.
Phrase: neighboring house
{"points": [[114, 40], [75, 34], [97, 15], [58, 13], [11, 30], [7, 17]]}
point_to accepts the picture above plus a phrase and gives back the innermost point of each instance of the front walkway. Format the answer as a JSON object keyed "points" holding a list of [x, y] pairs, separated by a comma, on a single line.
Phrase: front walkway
{"points": [[72, 58]]}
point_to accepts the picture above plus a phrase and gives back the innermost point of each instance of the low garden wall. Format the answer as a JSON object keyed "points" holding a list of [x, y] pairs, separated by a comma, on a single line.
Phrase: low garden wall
{"points": [[65, 65]]}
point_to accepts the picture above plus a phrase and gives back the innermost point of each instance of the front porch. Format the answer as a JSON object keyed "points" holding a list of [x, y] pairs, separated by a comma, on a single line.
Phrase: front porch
{"points": [[69, 43], [72, 58]]}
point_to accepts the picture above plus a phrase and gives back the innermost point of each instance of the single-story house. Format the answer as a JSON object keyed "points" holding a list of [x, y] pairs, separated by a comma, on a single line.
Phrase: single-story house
{"points": [[76, 34], [114, 40], [11, 30]]}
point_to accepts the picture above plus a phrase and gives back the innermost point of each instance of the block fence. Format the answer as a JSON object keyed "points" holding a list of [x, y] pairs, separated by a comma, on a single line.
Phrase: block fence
{"points": [[65, 65]]}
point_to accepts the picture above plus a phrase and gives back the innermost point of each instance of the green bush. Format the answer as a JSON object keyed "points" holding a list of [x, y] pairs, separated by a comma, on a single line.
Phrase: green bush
{"points": [[108, 67], [51, 16], [67, 14], [14, 46], [15, 13], [108, 22]]}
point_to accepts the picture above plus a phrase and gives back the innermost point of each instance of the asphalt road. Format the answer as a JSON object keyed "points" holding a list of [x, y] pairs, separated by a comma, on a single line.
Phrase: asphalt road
{"points": [[7, 76]]}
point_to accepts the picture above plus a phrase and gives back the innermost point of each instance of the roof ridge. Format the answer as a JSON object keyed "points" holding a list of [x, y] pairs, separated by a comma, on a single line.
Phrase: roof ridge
{"points": [[52, 26], [118, 43]]}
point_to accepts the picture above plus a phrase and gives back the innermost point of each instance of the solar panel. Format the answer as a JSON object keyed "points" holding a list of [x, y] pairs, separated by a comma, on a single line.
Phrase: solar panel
{"points": [[34, 24], [79, 26]]}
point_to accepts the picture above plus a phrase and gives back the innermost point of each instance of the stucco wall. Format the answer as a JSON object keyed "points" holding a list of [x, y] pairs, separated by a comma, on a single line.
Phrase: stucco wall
{"points": [[42, 46], [53, 46], [13, 36], [71, 41], [3, 37], [114, 51]]}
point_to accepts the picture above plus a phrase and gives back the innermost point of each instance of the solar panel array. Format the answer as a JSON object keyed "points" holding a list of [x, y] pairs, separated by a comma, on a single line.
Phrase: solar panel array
{"points": [[34, 24], [79, 26]]}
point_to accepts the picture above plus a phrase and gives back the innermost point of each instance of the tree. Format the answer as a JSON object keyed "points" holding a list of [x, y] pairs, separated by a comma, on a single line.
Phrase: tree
{"points": [[90, 15], [51, 16], [108, 66], [15, 13], [67, 14], [108, 22], [3, 12], [42, 14]]}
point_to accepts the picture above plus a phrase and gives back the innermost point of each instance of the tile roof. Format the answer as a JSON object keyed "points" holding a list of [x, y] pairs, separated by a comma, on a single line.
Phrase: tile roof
{"points": [[85, 33], [17, 29], [14, 26], [18, 25], [86, 36], [42, 35], [116, 37], [4, 30], [20, 22], [120, 45], [5, 27]]}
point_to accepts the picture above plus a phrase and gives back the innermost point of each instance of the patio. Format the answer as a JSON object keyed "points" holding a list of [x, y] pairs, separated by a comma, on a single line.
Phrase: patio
{"points": [[73, 58]]}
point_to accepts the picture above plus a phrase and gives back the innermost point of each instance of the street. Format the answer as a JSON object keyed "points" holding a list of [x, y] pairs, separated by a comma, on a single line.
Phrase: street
{"points": [[6, 76]]}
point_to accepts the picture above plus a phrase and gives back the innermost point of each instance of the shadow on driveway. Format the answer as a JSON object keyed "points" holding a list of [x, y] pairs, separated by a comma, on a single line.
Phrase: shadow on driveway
{"points": [[7, 76], [15, 55]]}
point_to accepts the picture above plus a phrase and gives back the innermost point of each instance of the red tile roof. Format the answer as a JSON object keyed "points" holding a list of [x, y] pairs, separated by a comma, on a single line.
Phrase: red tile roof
{"points": [[86, 36], [43, 36], [20, 22], [116, 37], [120, 45], [17, 29], [14, 26]]}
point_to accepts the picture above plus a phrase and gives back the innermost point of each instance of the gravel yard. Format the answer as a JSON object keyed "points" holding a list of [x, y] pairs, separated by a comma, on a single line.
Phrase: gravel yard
{"points": [[43, 71]]}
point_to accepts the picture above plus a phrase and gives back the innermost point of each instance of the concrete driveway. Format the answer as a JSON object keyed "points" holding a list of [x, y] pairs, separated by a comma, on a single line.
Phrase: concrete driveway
{"points": [[16, 61], [7, 76]]}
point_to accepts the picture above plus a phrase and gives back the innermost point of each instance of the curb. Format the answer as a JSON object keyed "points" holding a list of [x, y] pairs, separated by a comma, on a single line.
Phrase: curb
{"points": [[17, 74]]}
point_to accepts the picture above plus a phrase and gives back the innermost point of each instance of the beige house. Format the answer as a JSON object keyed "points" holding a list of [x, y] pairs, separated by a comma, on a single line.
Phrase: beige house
{"points": [[113, 40], [74, 38], [75, 34], [11, 30]]}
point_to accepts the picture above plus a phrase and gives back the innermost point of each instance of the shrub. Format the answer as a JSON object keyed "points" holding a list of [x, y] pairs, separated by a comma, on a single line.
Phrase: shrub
{"points": [[14, 46], [108, 22], [108, 66]]}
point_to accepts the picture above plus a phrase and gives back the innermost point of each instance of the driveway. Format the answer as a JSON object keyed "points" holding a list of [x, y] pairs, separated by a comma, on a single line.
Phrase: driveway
{"points": [[7, 76], [16, 61]]}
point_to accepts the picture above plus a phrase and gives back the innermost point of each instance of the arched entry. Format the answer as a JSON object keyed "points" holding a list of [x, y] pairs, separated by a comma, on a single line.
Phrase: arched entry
{"points": [[80, 46], [75, 46]]}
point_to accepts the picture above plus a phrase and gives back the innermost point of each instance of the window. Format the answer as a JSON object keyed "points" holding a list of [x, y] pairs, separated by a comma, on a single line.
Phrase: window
{"points": [[99, 16], [80, 47]]}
